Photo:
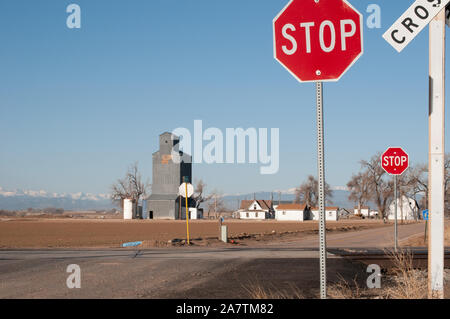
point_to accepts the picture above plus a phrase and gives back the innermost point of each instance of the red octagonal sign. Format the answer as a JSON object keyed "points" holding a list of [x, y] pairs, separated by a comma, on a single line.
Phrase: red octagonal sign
{"points": [[395, 161], [318, 40]]}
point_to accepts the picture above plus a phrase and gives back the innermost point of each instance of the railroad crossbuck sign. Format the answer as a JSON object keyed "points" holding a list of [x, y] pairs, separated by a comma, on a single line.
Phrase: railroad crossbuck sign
{"points": [[395, 161], [318, 40], [409, 25], [419, 15]]}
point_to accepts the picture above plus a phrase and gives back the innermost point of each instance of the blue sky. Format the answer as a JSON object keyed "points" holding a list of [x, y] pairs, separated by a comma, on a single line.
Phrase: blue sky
{"points": [[78, 106]]}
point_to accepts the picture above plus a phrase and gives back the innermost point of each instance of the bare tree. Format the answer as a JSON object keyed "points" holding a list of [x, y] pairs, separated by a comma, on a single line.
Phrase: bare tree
{"points": [[417, 183], [216, 203], [121, 190], [359, 186], [199, 194], [381, 188], [308, 192], [130, 187]]}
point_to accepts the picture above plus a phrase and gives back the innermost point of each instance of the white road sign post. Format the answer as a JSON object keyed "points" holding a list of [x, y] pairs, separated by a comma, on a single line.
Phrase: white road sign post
{"points": [[186, 190], [412, 22], [436, 158], [421, 13]]}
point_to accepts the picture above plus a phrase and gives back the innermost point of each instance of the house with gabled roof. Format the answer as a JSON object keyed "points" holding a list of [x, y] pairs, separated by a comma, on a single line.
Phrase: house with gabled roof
{"points": [[256, 209]]}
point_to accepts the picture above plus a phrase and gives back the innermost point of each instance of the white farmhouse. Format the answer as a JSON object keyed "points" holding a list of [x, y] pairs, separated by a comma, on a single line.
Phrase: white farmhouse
{"points": [[407, 209], [365, 211], [331, 213], [292, 212], [255, 209]]}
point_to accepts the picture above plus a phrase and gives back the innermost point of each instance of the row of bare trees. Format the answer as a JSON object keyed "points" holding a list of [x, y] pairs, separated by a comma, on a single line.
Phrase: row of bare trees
{"points": [[373, 184]]}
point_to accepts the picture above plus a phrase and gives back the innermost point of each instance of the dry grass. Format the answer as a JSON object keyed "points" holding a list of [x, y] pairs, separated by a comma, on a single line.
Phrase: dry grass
{"points": [[257, 291], [345, 290], [405, 282], [402, 282]]}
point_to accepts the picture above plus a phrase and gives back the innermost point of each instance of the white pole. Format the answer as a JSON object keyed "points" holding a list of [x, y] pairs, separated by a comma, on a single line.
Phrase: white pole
{"points": [[321, 171], [436, 158]]}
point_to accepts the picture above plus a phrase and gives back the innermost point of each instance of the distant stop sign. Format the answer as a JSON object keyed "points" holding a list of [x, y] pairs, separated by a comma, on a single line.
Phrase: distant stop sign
{"points": [[318, 40], [395, 161]]}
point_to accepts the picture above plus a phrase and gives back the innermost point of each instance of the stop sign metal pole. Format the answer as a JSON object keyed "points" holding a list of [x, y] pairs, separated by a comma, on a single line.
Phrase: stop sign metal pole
{"points": [[436, 175], [302, 62], [321, 176], [395, 214]]}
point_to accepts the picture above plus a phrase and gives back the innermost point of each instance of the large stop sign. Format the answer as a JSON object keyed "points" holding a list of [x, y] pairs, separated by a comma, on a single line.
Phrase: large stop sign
{"points": [[395, 161], [318, 40]]}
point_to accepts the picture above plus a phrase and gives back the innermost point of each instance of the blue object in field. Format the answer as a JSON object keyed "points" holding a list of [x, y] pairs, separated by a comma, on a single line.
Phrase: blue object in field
{"points": [[132, 244], [425, 214]]}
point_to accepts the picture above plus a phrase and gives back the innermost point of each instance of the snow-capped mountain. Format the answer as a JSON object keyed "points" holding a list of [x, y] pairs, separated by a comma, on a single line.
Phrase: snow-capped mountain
{"points": [[22, 199]]}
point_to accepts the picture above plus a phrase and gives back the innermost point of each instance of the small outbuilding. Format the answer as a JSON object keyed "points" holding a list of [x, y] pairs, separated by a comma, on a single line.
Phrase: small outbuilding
{"points": [[194, 213], [291, 212], [331, 213]]}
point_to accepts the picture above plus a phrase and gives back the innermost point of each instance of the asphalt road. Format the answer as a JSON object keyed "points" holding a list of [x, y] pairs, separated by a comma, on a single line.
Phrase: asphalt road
{"points": [[369, 238], [234, 272]]}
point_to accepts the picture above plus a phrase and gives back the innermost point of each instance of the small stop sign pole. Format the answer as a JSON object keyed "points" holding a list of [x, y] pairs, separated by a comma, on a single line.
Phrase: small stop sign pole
{"points": [[395, 214], [318, 41], [395, 161]]}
